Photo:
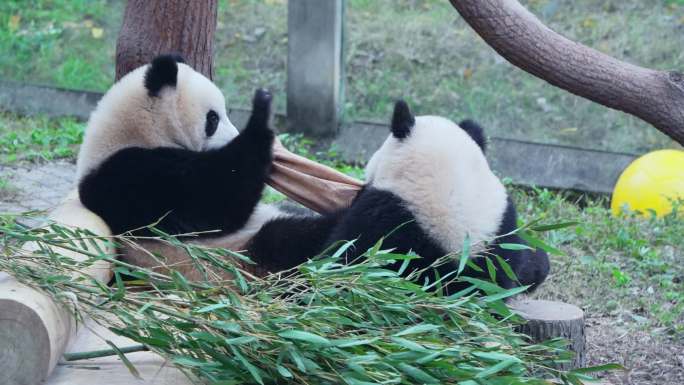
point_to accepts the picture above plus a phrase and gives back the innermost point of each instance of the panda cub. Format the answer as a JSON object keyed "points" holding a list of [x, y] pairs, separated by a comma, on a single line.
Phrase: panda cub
{"points": [[429, 186], [159, 148]]}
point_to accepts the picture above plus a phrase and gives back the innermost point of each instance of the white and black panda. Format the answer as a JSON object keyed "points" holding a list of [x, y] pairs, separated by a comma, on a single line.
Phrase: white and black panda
{"points": [[160, 147], [430, 186]]}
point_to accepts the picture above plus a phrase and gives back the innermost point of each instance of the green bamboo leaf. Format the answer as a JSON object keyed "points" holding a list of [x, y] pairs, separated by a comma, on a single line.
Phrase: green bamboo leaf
{"points": [[301, 335], [418, 329], [496, 368], [190, 362], [348, 343], [417, 374], [556, 226], [253, 370], [211, 308], [488, 287], [408, 344], [298, 359], [538, 243], [495, 356], [514, 246], [283, 371], [507, 269], [491, 269], [505, 294], [598, 368], [125, 360], [465, 255], [240, 340]]}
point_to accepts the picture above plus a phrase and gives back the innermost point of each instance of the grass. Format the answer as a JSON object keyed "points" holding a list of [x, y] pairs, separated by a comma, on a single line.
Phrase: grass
{"points": [[38, 138], [7, 191], [628, 267], [419, 50], [58, 42]]}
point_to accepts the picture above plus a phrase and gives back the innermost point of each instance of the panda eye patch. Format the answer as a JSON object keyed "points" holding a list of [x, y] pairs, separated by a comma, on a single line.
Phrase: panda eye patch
{"points": [[211, 123]]}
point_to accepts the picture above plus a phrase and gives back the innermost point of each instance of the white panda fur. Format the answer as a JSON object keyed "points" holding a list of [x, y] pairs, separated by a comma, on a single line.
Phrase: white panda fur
{"points": [[127, 117], [445, 180]]}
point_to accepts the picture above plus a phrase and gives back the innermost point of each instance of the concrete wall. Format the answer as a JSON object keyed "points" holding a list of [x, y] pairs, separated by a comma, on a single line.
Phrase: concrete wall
{"points": [[525, 163]]}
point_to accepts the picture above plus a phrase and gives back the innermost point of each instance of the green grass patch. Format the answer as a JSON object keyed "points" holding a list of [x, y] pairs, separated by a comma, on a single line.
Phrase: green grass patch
{"points": [[421, 51], [68, 43], [38, 138], [628, 267]]}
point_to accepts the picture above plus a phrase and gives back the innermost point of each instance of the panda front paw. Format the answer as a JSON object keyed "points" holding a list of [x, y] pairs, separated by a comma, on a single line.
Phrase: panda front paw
{"points": [[261, 107], [261, 112], [258, 131], [261, 103]]}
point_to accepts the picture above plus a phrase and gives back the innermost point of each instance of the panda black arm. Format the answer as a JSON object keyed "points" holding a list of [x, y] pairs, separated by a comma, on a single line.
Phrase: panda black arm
{"points": [[530, 266], [226, 184], [284, 243], [377, 214]]}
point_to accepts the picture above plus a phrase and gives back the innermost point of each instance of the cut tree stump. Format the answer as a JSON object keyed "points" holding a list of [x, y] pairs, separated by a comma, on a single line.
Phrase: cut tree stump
{"points": [[34, 329], [551, 319]]}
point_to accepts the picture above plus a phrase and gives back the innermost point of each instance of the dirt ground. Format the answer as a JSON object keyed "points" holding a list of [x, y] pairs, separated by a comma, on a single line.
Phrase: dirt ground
{"points": [[651, 360]]}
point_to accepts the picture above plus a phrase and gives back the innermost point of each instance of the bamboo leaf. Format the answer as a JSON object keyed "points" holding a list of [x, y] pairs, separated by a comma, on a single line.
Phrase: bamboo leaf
{"points": [[465, 255], [418, 329], [514, 246], [131, 368], [556, 226], [301, 335], [418, 374]]}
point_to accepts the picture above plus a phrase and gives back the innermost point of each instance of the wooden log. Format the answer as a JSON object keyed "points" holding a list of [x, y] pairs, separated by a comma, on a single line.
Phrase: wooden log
{"points": [[34, 330], [551, 319]]}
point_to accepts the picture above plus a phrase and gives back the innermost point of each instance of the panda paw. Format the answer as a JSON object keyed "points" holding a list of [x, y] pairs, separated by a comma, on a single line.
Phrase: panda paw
{"points": [[261, 104], [258, 131]]}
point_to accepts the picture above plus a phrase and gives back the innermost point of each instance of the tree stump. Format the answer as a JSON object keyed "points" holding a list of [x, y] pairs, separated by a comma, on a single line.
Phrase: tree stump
{"points": [[551, 319]]}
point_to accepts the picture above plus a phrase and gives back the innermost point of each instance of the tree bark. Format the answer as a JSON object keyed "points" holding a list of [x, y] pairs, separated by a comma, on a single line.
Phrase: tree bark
{"points": [[153, 27], [657, 97]]}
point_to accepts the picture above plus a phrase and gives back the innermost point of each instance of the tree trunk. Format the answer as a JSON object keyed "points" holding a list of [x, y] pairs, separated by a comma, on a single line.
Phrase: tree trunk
{"points": [[550, 319], [153, 27], [657, 97]]}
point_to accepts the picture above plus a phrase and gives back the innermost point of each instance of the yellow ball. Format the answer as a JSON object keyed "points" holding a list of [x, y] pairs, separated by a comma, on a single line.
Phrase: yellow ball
{"points": [[650, 183]]}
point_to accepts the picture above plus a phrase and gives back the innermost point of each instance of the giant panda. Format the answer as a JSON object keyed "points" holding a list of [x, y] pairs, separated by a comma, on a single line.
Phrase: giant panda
{"points": [[429, 187], [159, 148]]}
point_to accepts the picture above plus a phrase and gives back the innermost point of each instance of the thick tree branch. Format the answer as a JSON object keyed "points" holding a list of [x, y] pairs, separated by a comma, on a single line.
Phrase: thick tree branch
{"points": [[657, 97], [153, 27]]}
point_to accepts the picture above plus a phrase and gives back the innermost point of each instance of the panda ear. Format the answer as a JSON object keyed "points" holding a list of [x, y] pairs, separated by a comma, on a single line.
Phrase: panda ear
{"points": [[402, 120], [476, 132], [162, 72]]}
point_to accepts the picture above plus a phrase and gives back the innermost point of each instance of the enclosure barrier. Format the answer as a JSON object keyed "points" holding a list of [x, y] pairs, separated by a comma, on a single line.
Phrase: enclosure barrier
{"points": [[525, 163]]}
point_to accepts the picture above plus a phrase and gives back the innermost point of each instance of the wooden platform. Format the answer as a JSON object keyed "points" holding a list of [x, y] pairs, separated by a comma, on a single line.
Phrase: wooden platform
{"points": [[110, 370]]}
